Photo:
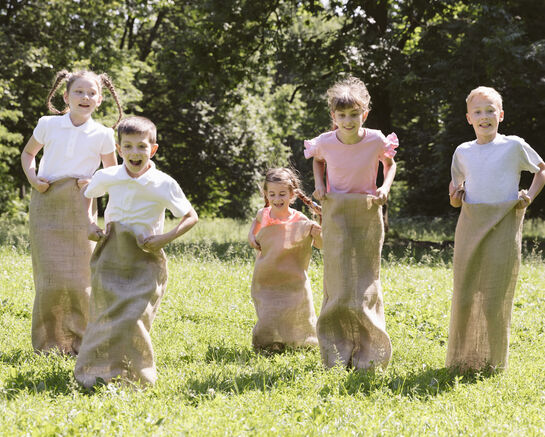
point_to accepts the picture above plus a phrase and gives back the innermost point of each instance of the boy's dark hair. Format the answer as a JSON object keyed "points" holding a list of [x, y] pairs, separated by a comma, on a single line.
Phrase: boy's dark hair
{"points": [[137, 125]]}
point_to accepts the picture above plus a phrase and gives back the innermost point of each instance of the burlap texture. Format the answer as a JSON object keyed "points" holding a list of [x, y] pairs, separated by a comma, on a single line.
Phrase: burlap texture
{"points": [[128, 284], [281, 288], [351, 325], [59, 222], [487, 249]]}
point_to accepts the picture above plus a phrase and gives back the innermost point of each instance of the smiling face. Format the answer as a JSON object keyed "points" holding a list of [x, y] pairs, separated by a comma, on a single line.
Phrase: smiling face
{"points": [[280, 197], [484, 114], [349, 122], [136, 150], [83, 98]]}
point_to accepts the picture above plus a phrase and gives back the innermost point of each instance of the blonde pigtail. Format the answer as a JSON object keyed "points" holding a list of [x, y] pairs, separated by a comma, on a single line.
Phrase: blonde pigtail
{"points": [[106, 81], [62, 76], [314, 207]]}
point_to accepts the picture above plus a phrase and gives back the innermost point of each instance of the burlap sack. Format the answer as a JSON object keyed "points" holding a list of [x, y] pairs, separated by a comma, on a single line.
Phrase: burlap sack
{"points": [[351, 325], [281, 288], [487, 248], [128, 284], [59, 221]]}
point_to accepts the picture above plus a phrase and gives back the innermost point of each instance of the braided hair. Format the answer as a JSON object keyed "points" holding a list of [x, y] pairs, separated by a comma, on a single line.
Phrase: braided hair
{"points": [[100, 79], [289, 177]]}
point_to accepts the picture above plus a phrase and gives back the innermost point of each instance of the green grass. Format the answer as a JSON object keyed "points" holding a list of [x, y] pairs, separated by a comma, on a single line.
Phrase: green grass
{"points": [[212, 382]]}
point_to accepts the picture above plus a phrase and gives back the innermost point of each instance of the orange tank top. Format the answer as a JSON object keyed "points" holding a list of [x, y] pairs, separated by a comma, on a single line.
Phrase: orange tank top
{"points": [[267, 220]]}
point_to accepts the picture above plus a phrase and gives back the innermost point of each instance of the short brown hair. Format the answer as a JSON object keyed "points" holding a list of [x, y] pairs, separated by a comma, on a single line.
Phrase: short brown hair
{"points": [[137, 125], [348, 93]]}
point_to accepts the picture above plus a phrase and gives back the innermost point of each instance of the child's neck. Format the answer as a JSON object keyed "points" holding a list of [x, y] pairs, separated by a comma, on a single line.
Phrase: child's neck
{"points": [[78, 120], [485, 139], [353, 138], [281, 214]]}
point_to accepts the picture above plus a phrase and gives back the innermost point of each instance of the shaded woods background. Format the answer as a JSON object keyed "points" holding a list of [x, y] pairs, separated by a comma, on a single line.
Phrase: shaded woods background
{"points": [[236, 85]]}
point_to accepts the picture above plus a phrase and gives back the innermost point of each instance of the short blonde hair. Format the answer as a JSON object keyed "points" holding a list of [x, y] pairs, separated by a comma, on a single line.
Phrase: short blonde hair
{"points": [[485, 91]]}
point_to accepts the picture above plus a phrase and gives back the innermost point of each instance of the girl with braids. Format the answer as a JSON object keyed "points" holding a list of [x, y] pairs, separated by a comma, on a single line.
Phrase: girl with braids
{"points": [[280, 285], [351, 327], [73, 147]]}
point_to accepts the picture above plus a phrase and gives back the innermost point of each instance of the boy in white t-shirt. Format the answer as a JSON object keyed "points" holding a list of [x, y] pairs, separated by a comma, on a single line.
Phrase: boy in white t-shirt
{"points": [[128, 267], [485, 183]]}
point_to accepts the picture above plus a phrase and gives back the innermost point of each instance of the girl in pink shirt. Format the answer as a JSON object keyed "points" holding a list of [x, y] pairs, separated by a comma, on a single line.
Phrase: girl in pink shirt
{"points": [[351, 327], [280, 285]]}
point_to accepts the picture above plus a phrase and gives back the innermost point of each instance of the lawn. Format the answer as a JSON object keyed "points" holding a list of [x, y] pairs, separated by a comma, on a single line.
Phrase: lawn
{"points": [[212, 382]]}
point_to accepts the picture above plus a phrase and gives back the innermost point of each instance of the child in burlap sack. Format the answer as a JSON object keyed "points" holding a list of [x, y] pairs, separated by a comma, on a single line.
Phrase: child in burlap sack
{"points": [[351, 327], [280, 285], [128, 267], [73, 147], [487, 245]]}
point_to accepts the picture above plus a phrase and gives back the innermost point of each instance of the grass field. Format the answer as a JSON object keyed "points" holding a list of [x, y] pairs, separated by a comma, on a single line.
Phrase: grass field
{"points": [[212, 383]]}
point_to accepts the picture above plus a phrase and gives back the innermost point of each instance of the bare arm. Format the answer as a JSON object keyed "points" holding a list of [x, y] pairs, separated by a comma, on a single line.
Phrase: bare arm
{"points": [[254, 229], [28, 162], [318, 168], [525, 198], [456, 195], [316, 232], [390, 168], [108, 160], [154, 243]]}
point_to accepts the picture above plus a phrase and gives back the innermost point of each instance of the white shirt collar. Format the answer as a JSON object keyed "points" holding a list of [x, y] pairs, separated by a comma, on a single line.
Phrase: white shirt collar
{"points": [[144, 179], [85, 127]]}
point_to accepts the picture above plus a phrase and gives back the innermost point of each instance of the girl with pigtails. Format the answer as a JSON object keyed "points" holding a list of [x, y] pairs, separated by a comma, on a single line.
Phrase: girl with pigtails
{"points": [[73, 146], [281, 289]]}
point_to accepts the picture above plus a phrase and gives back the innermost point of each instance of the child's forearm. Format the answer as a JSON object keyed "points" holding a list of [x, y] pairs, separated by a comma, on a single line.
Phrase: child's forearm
{"points": [[318, 169], [537, 183], [389, 173], [188, 221]]}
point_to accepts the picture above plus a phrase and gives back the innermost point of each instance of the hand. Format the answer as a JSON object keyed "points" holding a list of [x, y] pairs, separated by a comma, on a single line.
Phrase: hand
{"points": [[154, 243], [381, 197], [82, 183], [457, 195], [40, 184], [94, 232], [524, 199], [253, 242], [319, 192], [315, 230]]}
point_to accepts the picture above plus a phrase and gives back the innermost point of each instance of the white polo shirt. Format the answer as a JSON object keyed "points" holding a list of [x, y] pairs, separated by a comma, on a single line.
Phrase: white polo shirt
{"points": [[139, 203], [71, 151], [491, 172]]}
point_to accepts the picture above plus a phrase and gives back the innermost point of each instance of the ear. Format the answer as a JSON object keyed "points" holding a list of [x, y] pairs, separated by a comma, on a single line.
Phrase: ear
{"points": [[65, 97], [153, 150], [468, 118], [118, 147], [365, 114], [501, 115], [99, 101]]}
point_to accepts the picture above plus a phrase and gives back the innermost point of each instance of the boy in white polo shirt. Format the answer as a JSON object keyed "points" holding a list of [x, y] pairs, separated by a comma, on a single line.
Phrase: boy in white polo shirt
{"points": [[128, 265]]}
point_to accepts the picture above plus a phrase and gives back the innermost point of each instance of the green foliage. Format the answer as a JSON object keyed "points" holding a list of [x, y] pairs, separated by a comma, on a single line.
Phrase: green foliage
{"points": [[236, 85]]}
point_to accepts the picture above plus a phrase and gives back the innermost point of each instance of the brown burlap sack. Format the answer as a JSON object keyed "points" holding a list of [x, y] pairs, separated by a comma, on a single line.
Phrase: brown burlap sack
{"points": [[281, 288], [351, 325], [59, 221], [128, 284], [487, 248]]}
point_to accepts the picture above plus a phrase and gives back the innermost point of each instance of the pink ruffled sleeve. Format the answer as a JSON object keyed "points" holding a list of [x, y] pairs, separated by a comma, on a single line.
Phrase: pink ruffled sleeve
{"points": [[311, 149], [392, 143]]}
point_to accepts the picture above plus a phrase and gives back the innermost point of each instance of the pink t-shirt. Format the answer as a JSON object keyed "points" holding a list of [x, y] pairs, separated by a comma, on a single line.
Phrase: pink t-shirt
{"points": [[352, 168]]}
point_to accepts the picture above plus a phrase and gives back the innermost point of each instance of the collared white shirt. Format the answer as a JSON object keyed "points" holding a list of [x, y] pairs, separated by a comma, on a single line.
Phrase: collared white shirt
{"points": [[139, 203], [71, 151], [491, 172]]}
